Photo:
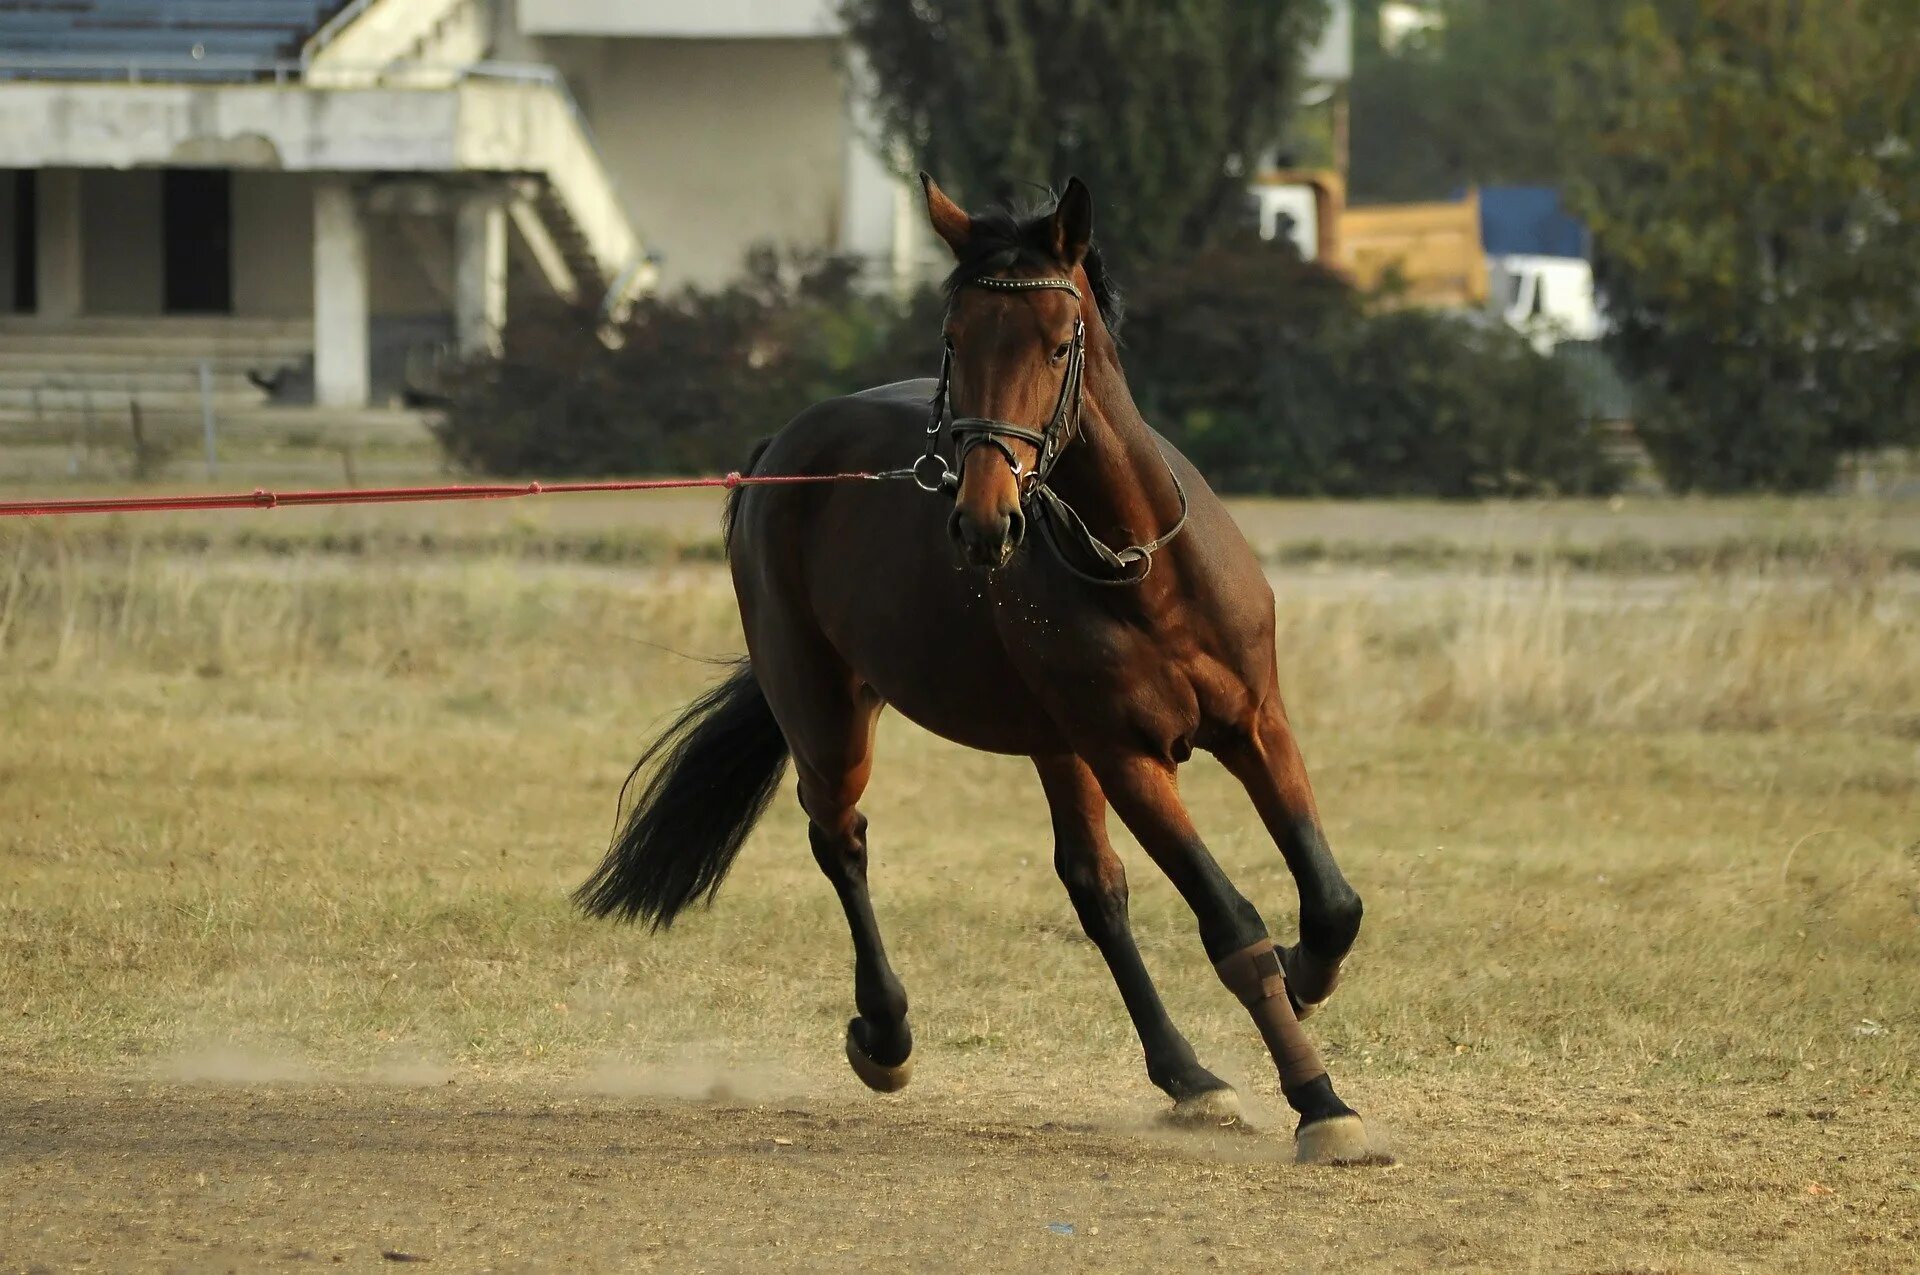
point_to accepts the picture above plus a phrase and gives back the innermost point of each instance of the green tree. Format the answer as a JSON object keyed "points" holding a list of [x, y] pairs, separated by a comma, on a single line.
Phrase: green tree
{"points": [[1468, 100], [1749, 169], [1162, 108], [1273, 375]]}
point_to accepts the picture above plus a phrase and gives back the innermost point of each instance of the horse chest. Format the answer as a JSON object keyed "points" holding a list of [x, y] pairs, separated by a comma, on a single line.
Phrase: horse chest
{"points": [[1103, 671]]}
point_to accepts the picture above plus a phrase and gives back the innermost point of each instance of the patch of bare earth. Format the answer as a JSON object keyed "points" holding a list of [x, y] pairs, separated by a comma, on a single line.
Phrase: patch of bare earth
{"points": [[119, 1175]]}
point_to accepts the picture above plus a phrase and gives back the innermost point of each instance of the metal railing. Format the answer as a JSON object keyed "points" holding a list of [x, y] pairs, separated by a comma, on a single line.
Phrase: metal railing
{"points": [[140, 68], [160, 68], [331, 28]]}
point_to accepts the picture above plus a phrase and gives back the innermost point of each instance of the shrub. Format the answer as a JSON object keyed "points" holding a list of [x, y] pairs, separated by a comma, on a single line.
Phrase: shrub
{"points": [[1272, 375], [1275, 376], [696, 380]]}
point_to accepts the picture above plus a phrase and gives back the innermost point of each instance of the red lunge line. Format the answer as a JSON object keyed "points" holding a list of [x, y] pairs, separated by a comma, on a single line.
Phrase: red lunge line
{"points": [[261, 499]]}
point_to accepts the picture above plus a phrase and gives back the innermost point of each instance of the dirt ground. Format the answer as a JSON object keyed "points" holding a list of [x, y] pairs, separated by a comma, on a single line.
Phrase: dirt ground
{"points": [[289, 978], [141, 1175]]}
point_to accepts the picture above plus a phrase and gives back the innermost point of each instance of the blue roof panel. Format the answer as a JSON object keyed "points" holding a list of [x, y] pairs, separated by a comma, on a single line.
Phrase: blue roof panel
{"points": [[1529, 220]]}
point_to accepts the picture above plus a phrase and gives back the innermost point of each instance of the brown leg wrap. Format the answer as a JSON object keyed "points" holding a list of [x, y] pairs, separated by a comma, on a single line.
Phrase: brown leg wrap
{"points": [[1254, 975]]}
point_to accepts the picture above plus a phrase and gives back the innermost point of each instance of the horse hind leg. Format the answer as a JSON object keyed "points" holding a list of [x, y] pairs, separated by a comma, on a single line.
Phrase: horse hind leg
{"points": [[832, 738], [879, 1042], [1096, 883]]}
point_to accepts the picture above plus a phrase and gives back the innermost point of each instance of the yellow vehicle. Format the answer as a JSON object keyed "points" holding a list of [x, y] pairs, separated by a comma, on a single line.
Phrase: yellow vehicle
{"points": [[1432, 251]]}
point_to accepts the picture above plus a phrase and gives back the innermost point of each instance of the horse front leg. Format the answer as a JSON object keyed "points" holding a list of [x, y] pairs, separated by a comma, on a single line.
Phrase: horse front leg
{"points": [[1144, 791], [1264, 756], [1096, 883]]}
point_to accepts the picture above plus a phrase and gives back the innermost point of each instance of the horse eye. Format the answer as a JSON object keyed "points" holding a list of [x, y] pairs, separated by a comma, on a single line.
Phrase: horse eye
{"points": [[1061, 352]]}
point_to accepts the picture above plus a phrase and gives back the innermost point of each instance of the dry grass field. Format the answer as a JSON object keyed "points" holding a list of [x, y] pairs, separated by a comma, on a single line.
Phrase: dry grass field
{"points": [[290, 803]]}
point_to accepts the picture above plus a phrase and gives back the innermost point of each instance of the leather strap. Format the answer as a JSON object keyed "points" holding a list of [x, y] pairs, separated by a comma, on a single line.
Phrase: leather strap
{"points": [[1060, 517]]}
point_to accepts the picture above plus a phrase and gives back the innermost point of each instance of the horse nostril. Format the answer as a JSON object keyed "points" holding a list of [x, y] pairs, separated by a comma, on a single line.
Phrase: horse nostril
{"points": [[953, 526], [1016, 528]]}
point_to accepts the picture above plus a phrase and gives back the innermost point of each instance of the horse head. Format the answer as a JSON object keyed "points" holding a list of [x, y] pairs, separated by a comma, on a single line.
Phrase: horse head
{"points": [[1017, 319]]}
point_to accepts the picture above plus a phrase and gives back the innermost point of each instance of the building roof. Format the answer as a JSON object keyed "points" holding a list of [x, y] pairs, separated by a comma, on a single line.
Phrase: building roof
{"points": [[72, 34]]}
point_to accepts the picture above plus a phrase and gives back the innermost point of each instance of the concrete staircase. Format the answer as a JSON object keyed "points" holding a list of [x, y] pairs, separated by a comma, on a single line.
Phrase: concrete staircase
{"points": [[60, 381], [515, 119], [573, 221], [54, 375]]}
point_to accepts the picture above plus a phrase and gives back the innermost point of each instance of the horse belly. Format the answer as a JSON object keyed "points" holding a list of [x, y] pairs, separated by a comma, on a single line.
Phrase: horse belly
{"points": [[947, 672]]}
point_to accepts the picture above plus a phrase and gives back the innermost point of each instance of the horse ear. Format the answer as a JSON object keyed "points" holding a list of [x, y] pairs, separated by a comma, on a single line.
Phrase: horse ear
{"points": [[950, 220], [1073, 223]]}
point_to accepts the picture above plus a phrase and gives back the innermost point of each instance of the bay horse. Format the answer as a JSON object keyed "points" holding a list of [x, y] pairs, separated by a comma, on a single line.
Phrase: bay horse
{"points": [[1107, 667]]}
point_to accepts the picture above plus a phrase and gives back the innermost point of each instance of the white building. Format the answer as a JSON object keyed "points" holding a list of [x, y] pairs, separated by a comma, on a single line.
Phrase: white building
{"points": [[346, 184], [278, 179]]}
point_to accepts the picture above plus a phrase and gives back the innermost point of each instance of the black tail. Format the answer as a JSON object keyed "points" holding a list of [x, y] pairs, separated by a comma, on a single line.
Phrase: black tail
{"points": [[717, 767]]}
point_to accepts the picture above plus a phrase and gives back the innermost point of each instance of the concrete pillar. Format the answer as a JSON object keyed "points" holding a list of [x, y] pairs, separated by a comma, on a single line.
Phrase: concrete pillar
{"points": [[9, 235], [61, 266], [341, 376], [479, 273]]}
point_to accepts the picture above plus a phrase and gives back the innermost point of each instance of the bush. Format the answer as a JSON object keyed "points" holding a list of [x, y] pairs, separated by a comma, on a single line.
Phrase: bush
{"points": [[1720, 417], [695, 381], [1270, 373], [1274, 376]]}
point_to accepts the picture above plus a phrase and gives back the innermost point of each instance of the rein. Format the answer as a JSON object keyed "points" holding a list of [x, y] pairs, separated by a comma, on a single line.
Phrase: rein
{"points": [[1058, 518]]}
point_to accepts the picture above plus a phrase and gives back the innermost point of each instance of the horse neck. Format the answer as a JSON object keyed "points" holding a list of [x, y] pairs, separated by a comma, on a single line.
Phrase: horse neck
{"points": [[1113, 472]]}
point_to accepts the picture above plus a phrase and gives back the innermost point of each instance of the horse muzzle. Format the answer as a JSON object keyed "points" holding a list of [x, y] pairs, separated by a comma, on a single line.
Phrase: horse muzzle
{"points": [[988, 542]]}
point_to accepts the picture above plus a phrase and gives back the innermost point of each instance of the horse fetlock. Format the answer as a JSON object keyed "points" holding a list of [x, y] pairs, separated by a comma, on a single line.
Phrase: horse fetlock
{"points": [[1184, 1079], [1314, 1100], [1311, 979]]}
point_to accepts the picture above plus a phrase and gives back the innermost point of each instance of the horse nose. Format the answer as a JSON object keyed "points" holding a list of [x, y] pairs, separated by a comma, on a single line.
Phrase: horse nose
{"points": [[987, 542]]}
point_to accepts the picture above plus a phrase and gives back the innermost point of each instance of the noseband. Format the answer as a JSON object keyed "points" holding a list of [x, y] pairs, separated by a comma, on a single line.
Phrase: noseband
{"points": [[931, 474]]}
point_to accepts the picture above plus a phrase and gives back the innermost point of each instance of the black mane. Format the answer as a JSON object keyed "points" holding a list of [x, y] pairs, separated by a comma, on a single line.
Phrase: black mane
{"points": [[1006, 237]]}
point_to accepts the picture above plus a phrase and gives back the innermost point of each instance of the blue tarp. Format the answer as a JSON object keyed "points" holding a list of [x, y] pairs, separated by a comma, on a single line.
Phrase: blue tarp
{"points": [[1528, 220]]}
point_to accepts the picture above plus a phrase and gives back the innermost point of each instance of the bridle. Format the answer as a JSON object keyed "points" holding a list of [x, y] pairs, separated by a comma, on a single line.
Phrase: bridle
{"points": [[969, 432], [930, 472]]}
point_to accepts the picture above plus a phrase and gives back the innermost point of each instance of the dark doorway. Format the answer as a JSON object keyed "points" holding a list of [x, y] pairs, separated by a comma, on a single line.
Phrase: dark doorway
{"points": [[26, 242], [196, 219]]}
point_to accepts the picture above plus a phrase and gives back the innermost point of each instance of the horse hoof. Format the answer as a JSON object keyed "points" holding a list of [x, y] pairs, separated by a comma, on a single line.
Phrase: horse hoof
{"points": [[1310, 982], [1336, 1140], [876, 1076], [1214, 1107]]}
